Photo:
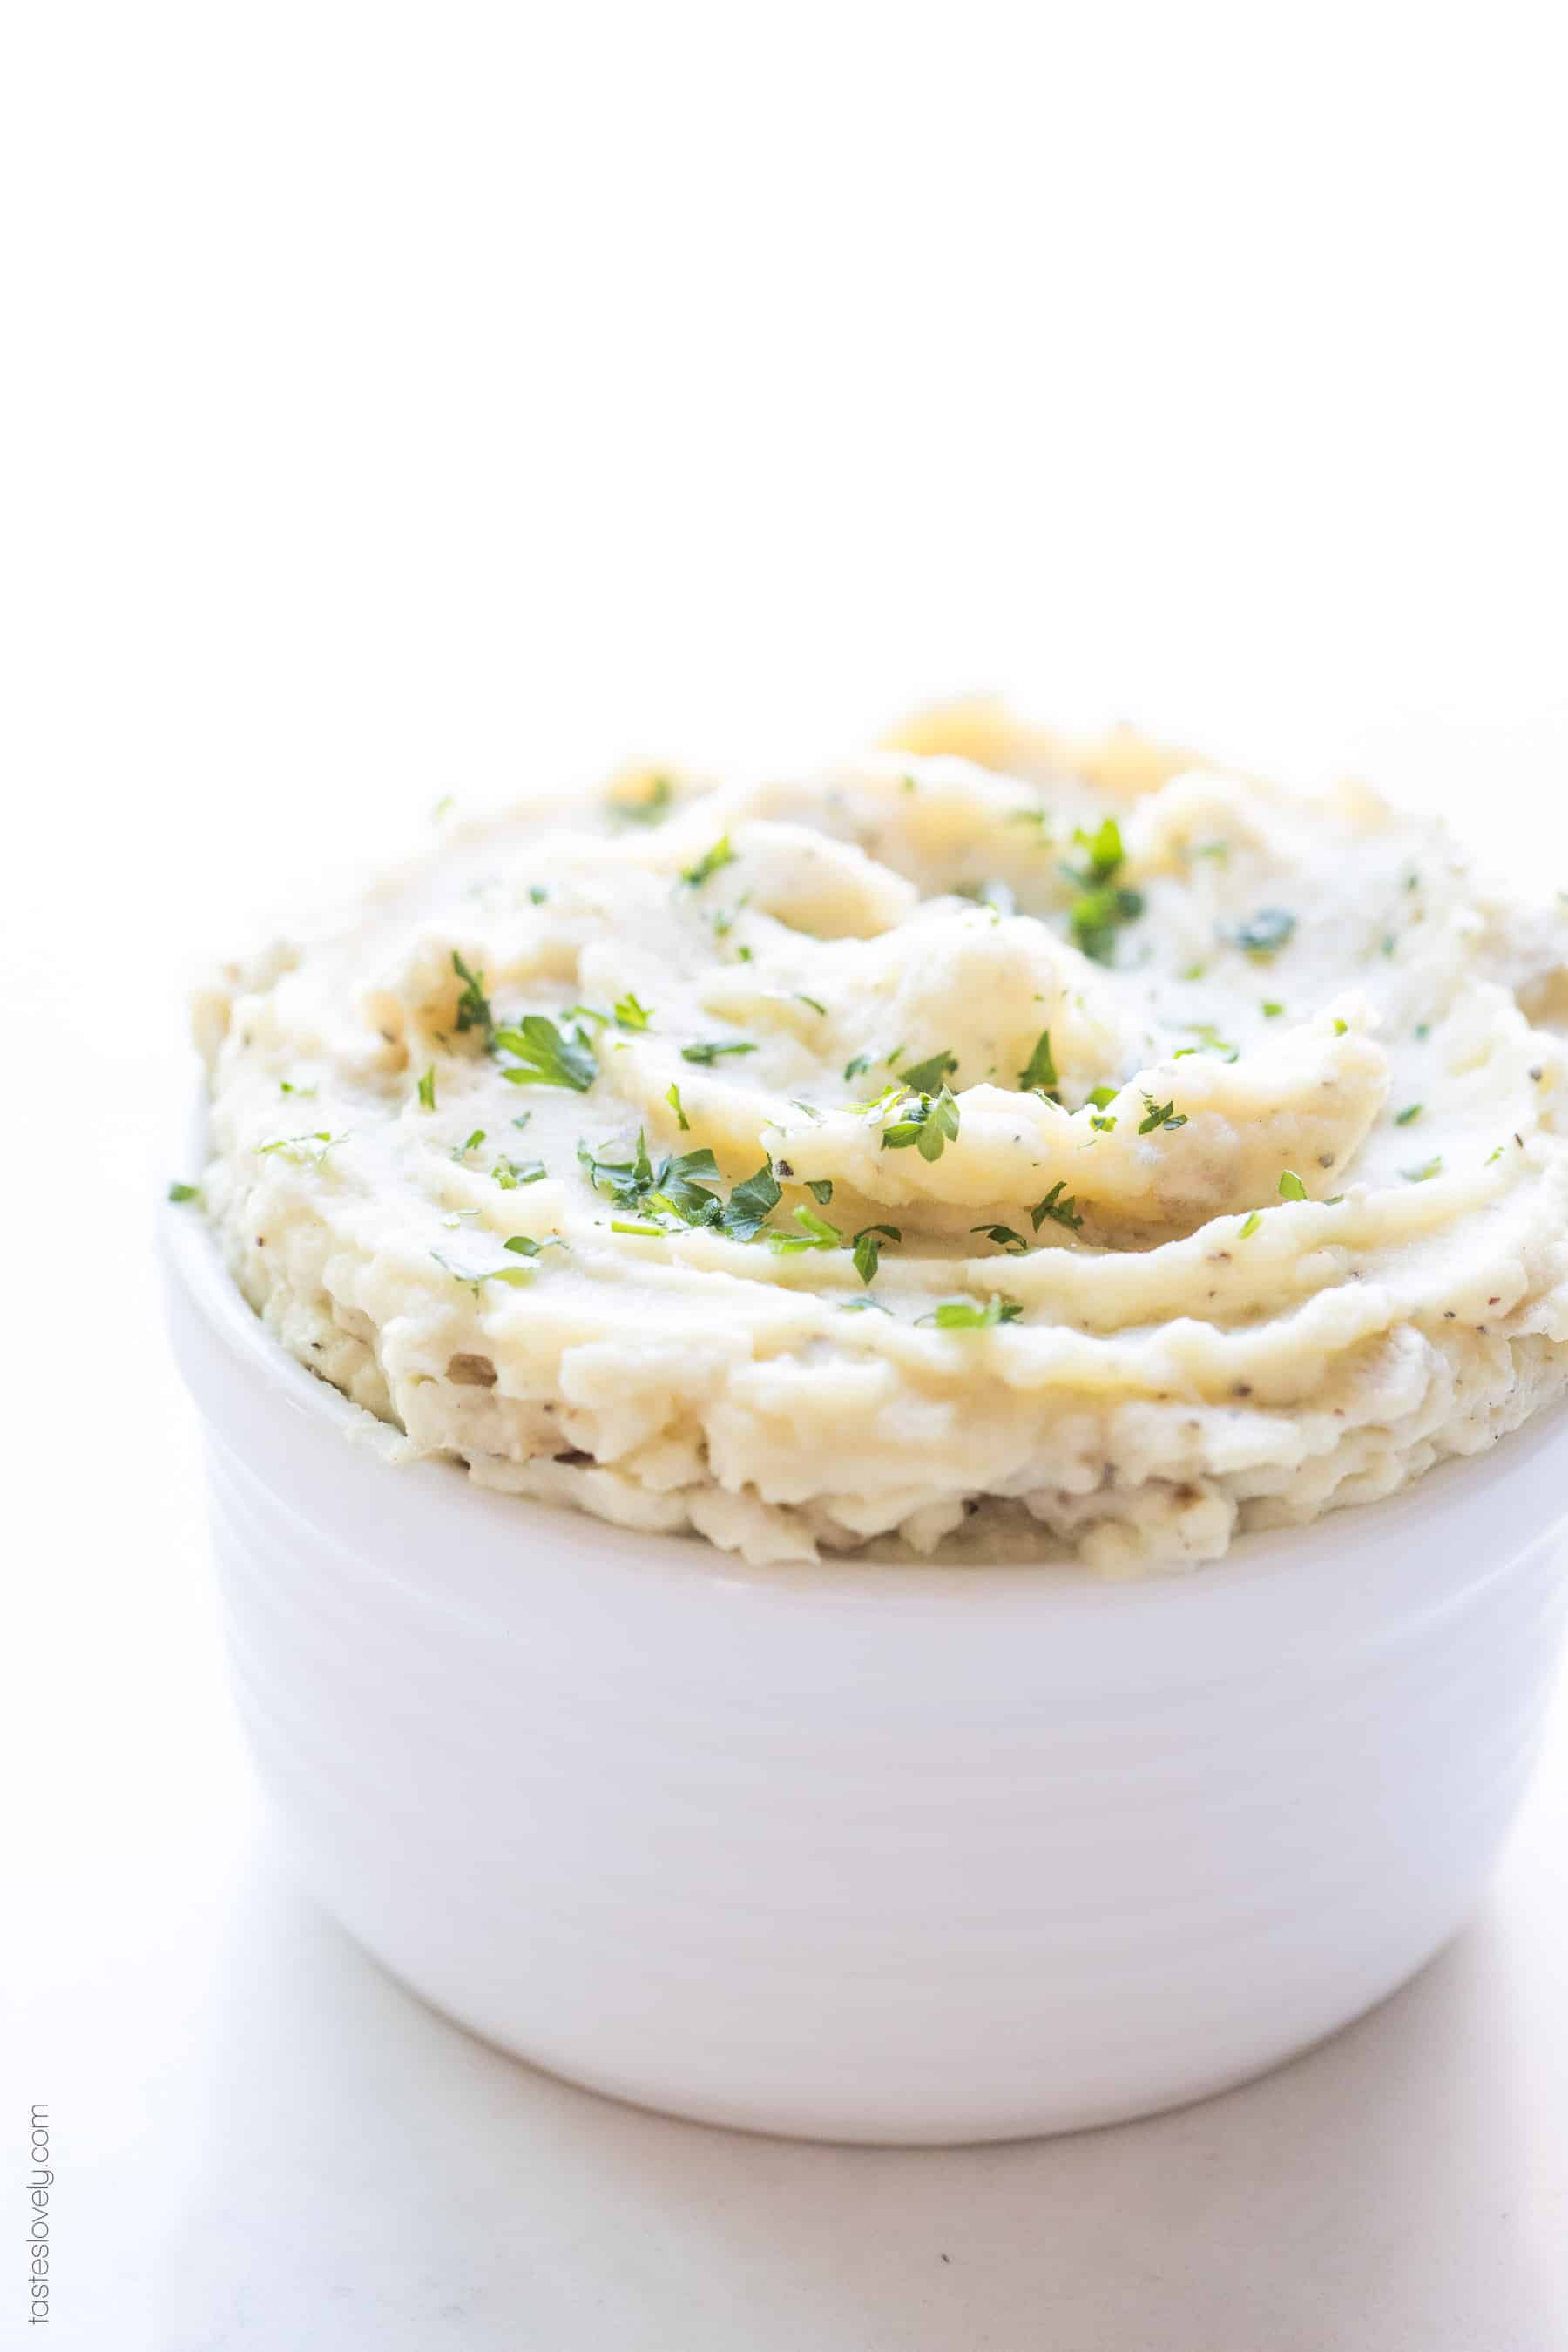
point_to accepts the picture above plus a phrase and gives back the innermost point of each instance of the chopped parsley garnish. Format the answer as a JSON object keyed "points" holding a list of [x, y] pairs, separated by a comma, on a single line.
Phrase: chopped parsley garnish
{"points": [[514, 1275], [537, 894], [473, 1004], [1061, 1212], [1271, 1009], [858, 1067], [857, 1306], [427, 1088], [472, 1144], [1290, 1186], [652, 809], [705, 1054], [1160, 1114], [1209, 1042], [1249, 1227], [1040, 1076], [930, 1122], [178, 1192], [510, 1173], [869, 1248], [1102, 905], [801, 998], [1039, 818], [632, 1225], [1101, 1096], [925, 1078], [1102, 849], [710, 863], [630, 1014], [673, 1099], [546, 1058], [672, 1189], [313, 1148], [820, 1188], [1427, 1169], [1408, 1116], [285, 1087], [1004, 1236], [963, 1315], [1423, 1029], [816, 1234], [750, 1204], [1268, 931], [1341, 1028]]}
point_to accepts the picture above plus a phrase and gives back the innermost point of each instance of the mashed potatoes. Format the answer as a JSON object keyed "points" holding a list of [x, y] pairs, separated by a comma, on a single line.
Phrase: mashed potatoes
{"points": [[994, 1144]]}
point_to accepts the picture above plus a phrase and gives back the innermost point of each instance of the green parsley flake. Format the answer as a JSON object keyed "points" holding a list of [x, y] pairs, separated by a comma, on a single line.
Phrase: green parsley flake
{"points": [[1209, 1042], [1160, 1114], [673, 1099], [1040, 1077], [710, 863], [1102, 905], [1268, 931], [1290, 1186], [178, 1192], [652, 809], [1061, 1212], [510, 1173], [473, 1004], [1408, 1116], [427, 1088], [546, 1058], [750, 1204], [1425, 1173], [858, 1067], [630, 1014], [963, 1315], [868, 1249], [1250, 1226], [1004, 1236], [930, 1123], [706, 1052], [816, 1234], [925, 1078], [301, 1147]]}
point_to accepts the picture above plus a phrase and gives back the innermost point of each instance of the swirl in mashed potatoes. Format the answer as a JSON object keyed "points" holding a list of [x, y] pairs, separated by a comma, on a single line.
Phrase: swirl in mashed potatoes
{"points": [[994, 1144]]}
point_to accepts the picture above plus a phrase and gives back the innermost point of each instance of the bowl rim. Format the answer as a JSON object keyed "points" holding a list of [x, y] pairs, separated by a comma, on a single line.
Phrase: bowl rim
{"points": [[189, 1248]]}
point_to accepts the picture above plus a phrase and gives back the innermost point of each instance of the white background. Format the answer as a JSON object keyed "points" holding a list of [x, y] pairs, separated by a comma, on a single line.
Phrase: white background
{"points": [[401, 401]]}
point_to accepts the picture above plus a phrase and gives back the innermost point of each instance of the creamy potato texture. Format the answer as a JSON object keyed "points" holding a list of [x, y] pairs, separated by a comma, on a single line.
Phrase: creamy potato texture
{"points": [[995, 1144]]}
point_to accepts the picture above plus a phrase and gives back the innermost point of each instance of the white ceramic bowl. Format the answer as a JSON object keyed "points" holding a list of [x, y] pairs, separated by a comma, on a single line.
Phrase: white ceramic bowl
{"points": [[868, 1852]]}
